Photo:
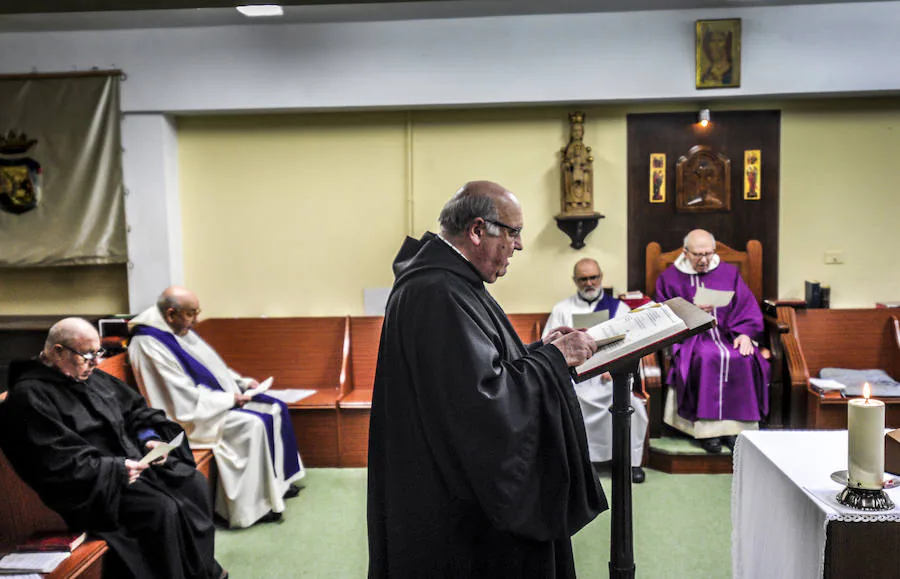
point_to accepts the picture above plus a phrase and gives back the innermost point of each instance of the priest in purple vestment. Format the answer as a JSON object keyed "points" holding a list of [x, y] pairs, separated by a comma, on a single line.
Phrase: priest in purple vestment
{"points": [[719, 381]]}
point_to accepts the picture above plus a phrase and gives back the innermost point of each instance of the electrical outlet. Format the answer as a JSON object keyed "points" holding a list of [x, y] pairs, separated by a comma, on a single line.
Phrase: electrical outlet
{"points": [[834, 257]]}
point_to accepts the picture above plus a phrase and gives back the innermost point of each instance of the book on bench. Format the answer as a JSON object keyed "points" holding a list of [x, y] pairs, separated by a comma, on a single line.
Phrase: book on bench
{"points": [[646, 329], [58, 541]]}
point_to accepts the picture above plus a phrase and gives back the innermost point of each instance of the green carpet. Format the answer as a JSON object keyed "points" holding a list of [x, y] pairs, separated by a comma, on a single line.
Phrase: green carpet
{"points": [[682, 528]]}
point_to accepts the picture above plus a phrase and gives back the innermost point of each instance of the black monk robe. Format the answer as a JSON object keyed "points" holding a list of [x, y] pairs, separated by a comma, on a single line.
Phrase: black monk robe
{"points": [[478, 460], [68, 440]]}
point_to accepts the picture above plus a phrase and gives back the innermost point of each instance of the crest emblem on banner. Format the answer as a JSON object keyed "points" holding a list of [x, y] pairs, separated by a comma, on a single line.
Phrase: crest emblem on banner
{"points": [[20, 175]]}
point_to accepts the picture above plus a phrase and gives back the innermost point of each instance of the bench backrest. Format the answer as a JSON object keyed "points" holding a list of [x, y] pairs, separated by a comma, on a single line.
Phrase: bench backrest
{"points": [[857, 339], [365, 335], [298, 352]]}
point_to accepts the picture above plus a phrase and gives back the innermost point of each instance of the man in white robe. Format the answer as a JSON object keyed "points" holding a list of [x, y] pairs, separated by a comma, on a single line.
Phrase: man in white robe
{"points": [[596, 394], [252, 438]]}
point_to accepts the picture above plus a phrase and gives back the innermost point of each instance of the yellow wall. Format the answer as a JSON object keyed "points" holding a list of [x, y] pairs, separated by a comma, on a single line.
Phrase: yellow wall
{"points": [[86, 290], [296, 214], [839, 191]]}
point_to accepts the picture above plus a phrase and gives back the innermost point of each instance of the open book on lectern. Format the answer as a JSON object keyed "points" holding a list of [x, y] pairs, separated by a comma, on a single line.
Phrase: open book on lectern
{"points": [[644, 328]]}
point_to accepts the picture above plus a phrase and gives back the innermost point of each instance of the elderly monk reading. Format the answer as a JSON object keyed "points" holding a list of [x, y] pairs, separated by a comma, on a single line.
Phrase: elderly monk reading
{"points": [[76, 435], [252, 439], [721, 381], [478, 461]]}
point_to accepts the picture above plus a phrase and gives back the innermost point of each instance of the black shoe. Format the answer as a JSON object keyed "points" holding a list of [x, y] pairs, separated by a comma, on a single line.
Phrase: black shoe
{"points": [[271, 517], [729, 441], [711, 445], [637, 475], [293, 491]]}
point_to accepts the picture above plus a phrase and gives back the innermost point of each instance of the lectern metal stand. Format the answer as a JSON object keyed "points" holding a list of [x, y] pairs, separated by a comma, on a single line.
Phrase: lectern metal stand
{"points": [[624, 372], [621, 550]]}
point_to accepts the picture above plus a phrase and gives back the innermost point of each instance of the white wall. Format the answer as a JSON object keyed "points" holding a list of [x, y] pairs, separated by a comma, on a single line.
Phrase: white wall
{"points": [[828, 48]]}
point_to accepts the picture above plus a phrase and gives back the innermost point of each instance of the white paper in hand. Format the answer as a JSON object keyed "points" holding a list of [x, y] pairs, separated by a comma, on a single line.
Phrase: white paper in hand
{"points": [[161, 449], [711, 297], [261, 387]]}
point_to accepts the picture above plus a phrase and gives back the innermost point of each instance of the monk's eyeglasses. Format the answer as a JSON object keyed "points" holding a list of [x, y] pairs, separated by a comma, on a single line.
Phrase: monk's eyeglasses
{"points": [[588, 278], [87, 356], [514, 232], [701, 255]]}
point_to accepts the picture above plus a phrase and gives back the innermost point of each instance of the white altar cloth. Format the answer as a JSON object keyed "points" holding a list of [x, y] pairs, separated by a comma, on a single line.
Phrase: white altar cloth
{"points": [[780, 505]]}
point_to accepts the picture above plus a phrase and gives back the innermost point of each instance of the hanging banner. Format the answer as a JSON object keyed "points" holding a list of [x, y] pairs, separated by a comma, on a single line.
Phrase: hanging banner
{"points": [[61, 192]]}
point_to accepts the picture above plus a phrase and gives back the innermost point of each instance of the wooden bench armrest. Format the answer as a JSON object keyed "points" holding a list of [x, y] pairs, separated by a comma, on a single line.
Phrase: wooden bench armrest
{"points": [[893, 361], [83, 558]]}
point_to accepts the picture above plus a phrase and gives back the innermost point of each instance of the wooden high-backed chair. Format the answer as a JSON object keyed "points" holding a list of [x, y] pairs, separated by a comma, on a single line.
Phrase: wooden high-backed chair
{"points": [[654, 368]]}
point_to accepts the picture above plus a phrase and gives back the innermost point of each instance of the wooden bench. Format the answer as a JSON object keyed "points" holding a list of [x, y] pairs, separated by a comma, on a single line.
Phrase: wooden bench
{"points": [[857, 339], [336, 357], [304, 353]]}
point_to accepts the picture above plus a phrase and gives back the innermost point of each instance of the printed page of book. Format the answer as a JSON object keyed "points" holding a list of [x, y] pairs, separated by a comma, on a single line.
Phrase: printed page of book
{"points": [[261, 387], [32, 562], [712, 297], [162, 449], [641, 328]]}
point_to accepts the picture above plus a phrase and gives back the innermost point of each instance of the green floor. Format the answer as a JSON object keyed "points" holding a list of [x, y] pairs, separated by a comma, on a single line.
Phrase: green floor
{"points": [[682, 529]]}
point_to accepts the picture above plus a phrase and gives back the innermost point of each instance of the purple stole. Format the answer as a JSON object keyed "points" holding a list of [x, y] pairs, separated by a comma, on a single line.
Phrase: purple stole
{"points": [[607, 302], [201, 375]]}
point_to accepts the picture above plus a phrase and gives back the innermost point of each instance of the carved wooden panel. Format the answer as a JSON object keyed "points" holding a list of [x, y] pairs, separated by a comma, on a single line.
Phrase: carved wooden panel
{"points": [[703, 181]]}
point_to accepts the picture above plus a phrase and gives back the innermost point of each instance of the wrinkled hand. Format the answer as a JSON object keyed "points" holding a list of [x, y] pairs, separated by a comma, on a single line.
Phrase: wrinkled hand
{"points": [[744, 345], [576, 347], [241, 399], [134, 469], [151, 444], [706, 308], [556, 333], [251, 384]]}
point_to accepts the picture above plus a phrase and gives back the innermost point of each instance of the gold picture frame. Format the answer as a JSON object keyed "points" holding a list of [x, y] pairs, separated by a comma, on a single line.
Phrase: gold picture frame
{"points": [[657, 178], [718, 53], [752, 175]]}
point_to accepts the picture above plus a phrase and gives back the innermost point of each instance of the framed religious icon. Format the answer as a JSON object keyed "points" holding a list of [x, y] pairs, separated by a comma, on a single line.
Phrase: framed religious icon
{"points": [[657, 178], [752, 175], [718, 53]]}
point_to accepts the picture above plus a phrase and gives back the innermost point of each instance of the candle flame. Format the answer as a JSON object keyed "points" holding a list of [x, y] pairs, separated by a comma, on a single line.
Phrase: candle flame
{"points": [[867, 391]]}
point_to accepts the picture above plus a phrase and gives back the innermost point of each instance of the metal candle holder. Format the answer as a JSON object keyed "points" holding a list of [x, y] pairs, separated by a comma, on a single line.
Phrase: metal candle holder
{"points": [[864, 499]]}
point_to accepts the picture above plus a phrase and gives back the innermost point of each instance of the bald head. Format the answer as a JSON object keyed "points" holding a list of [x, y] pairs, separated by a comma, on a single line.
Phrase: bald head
{"points": [[475, 199], [699, 236], [69, 330], [588, 278], [68, 342], [483, 220], [699, 249], [180, 308]]}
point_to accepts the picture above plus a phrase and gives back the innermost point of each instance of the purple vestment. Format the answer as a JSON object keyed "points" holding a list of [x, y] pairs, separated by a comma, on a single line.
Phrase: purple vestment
{"points": [[712, 379]]}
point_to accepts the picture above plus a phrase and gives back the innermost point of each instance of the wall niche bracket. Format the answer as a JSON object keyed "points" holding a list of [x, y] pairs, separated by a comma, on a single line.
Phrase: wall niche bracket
{"points": [[577, 227]]}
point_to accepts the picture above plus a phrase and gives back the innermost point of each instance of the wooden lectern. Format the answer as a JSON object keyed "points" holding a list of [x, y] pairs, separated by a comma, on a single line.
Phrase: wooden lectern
{"points": [[624, 371]]}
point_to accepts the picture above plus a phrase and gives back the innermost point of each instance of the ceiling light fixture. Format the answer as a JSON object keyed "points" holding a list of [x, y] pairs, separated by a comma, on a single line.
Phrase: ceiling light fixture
{"points": [[703, 118], [256, 10]]}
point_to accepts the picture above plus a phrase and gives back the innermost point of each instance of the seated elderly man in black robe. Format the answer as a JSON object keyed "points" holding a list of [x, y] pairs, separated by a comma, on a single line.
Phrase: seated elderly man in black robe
{"points": [[478, 459], [76, 436]]}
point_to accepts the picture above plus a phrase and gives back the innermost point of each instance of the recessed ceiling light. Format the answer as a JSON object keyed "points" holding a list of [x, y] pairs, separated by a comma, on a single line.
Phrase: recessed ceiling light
{"points": [[255, 10]]}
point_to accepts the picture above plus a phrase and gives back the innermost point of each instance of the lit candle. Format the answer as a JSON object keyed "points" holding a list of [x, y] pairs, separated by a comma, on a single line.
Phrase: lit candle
{"points": [[865, 428]]}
